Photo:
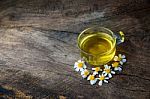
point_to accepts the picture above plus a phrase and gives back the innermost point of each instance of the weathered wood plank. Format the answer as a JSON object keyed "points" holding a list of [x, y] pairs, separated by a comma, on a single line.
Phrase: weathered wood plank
{"points": [[38, 47]]}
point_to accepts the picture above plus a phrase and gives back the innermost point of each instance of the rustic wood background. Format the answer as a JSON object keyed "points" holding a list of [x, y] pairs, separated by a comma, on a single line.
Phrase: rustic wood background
{"points": [[38, 48]]}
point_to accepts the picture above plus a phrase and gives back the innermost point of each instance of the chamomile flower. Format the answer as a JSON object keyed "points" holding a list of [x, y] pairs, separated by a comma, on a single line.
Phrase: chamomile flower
{"points": [[85, 73], [120, 58], [116, 66], [79, 65], [92, 79], [96, 70], [102, 79], [108, 71]]}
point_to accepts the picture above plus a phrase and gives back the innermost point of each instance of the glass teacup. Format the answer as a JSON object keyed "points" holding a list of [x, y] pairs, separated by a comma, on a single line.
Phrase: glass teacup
{"points": [[98, 45]]}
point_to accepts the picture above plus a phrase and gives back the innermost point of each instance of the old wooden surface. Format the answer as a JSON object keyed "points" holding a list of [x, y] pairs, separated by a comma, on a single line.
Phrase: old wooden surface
{"points": [[38, 47]]}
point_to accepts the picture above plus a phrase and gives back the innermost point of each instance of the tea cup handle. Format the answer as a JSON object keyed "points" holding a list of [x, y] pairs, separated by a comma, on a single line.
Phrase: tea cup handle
{"points": [[119, 37]]}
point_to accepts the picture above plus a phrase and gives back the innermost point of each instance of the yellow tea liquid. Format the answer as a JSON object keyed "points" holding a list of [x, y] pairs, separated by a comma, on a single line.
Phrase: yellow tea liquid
{"points": [[99, 47]]}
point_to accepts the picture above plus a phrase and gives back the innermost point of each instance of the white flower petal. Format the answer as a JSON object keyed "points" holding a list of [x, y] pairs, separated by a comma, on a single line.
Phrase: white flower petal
{"points": [[77, 69], [88, 78], [75, 64], [84, 66], [119, 68], [116, 68], [93, 81], [109, 67], [120, 56], [116, 58], [81, 69], [97, 78], [80, 61], [102, 74], [109, 75], [100, 83], [123, 56], [105, 74], [106, 66], [105, 81], [93, 68], [94, 73], [84, 76], [82, 73], [124, 60], [121, 63], [106, 77], [112, 72], [99, 75]]}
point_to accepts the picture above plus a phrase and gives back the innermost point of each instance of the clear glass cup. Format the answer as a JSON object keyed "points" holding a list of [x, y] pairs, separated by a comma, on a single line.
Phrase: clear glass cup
{"points": [[98, 45]]}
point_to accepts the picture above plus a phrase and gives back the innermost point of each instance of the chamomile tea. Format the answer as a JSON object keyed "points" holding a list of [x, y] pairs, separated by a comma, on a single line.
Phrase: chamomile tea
{"points": [[97, 48]]}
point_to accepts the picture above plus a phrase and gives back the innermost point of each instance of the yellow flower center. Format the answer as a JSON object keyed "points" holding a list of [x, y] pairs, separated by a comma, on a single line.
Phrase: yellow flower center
{"points": [[107, 71], [80, 65], [119, 58], [97, 69], [102, 78], [86, 72], [92, 77], [115, 64]]}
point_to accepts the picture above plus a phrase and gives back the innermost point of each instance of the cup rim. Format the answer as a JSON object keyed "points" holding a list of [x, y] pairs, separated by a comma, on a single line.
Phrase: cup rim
{"points": [[99, 53]]}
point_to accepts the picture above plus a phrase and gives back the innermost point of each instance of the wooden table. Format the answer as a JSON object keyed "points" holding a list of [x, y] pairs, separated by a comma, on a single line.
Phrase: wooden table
{"points": [[38, 48]]}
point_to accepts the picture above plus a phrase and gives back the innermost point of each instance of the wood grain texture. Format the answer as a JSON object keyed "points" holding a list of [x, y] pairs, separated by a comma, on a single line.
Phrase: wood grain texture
{"points": [[38, 47]]}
